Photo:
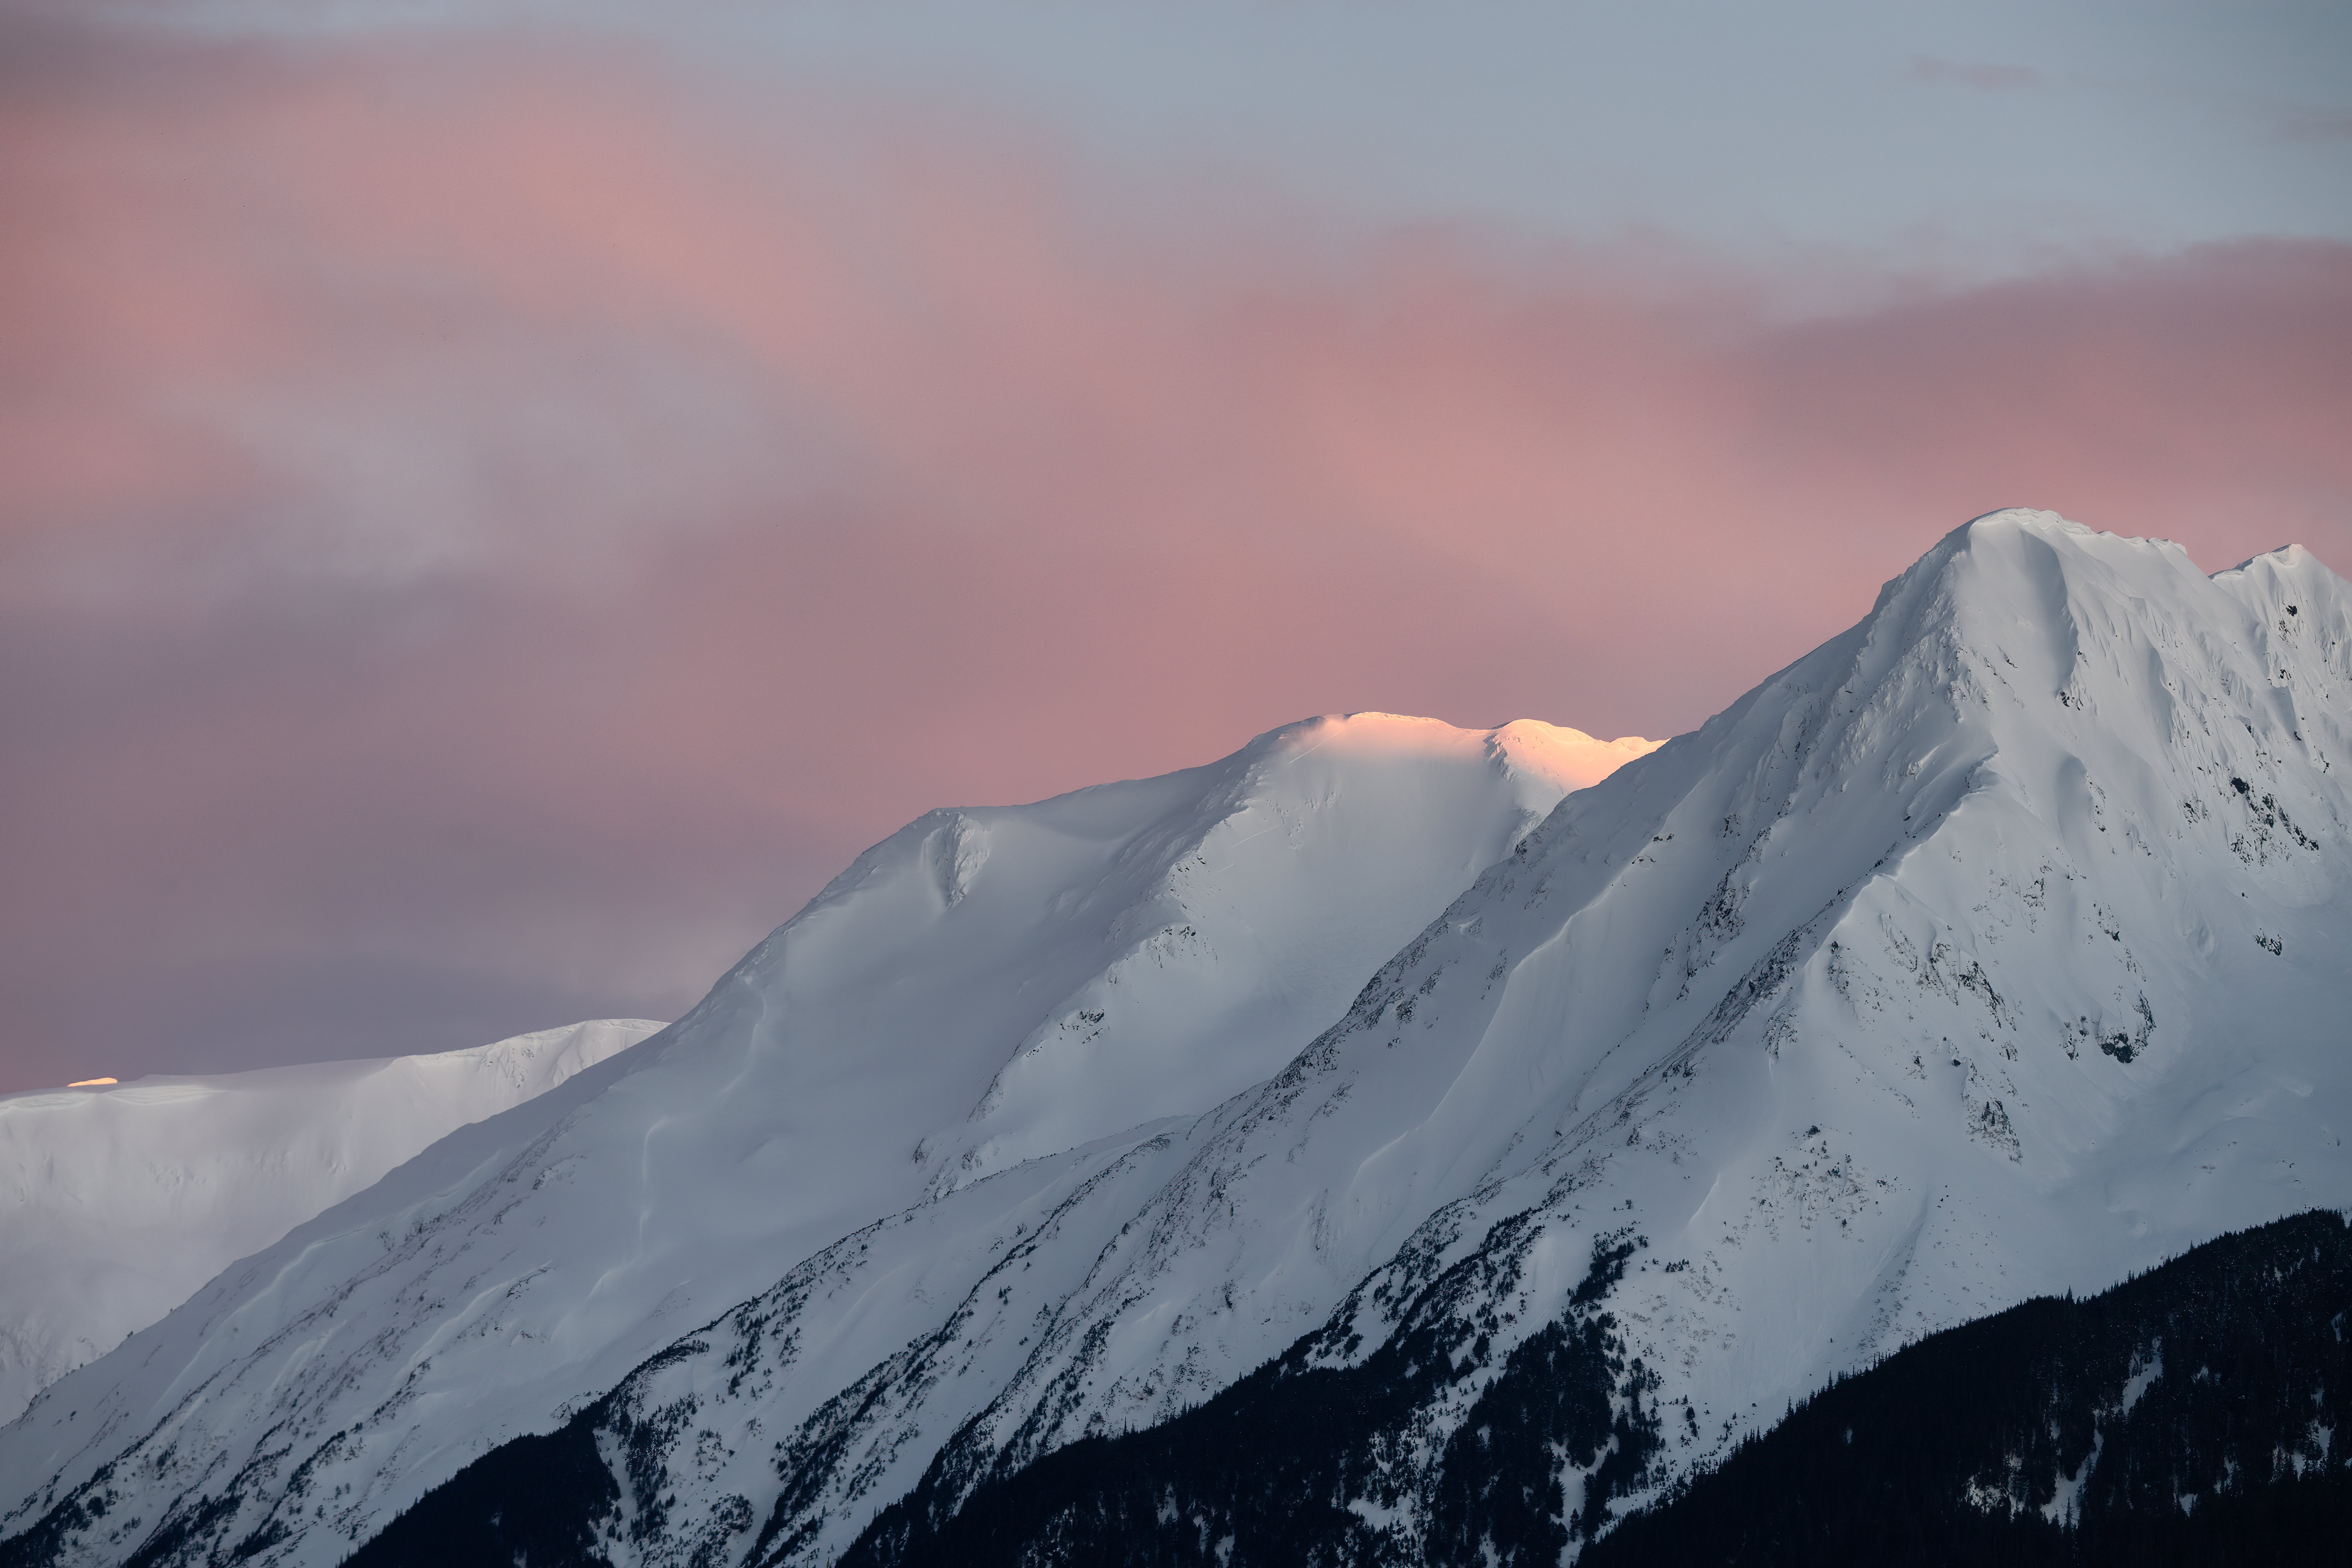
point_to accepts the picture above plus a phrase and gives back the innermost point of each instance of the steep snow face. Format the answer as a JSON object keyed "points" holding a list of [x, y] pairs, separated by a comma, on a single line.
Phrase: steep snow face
{"points": [[983, 987], [1216, 953], [117, 1203], [1995, 948]]}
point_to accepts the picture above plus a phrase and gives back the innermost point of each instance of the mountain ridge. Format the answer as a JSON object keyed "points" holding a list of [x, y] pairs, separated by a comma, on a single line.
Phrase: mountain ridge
{"points": [[1908, 1282], [1877, 1003], [996, 904]]}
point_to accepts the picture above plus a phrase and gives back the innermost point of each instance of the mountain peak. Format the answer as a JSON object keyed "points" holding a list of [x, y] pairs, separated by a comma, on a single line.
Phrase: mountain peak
{"points": [[2024, 519], [989, 990], [1992, 949], [2284, 558], [1556, 754]]}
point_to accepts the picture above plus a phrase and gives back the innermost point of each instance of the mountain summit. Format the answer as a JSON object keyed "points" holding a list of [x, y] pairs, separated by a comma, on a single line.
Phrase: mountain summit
{"points": [[983, 986], [1993, 948]]}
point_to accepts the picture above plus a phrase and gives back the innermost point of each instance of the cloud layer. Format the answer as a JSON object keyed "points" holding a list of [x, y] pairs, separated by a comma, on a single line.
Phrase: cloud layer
{"points": [[490, 530]]}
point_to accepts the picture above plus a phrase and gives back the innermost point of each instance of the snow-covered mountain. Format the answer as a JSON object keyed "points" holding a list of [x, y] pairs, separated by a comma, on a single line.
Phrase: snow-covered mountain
{"points": [[116, 1202], [982, 988], [1995, 948]]}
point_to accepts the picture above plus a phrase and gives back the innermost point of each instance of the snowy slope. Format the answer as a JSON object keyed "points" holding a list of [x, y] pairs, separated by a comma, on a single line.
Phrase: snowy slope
{"points": [[117, 1203], [1995, 948], [983, 987]]}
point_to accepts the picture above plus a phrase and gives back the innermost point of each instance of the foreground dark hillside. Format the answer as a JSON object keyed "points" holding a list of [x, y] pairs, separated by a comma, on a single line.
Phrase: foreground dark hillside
{"points": [[1247, 1477], [2194, 1416], [2197, 1415], [1299, 1464]]}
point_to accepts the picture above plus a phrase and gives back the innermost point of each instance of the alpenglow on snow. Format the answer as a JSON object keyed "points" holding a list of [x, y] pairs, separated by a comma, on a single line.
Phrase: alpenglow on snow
{"points": [[1993, 948]]}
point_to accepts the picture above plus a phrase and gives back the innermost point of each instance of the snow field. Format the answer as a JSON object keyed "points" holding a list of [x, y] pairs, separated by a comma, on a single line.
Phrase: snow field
{"points": [[117, 1204]]}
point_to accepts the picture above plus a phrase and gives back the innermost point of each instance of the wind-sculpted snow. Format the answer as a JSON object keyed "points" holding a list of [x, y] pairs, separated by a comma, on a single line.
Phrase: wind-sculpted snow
{"points": [[987, 992], [117, 1203], [1992, 950]]}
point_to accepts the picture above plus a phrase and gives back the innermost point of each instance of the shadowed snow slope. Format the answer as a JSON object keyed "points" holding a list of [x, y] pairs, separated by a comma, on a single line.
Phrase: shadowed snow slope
{"points": [[983, 988], [116, 1204]]}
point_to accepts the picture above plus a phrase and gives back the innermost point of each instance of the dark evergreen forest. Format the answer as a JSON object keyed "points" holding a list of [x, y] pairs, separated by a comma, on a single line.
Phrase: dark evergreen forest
{"points": [[1295, 1464], [2195, 1414]]}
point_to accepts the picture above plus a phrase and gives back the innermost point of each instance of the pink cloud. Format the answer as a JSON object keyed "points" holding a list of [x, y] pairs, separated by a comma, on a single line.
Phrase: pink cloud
{"points": [[1982, 75], [490, 531]]}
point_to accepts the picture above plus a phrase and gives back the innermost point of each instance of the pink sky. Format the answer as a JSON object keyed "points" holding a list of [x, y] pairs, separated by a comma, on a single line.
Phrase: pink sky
{"points": [[489, 530]]}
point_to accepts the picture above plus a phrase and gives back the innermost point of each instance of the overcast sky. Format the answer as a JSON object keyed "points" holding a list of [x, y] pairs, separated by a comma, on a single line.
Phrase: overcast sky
{"points": [[1990, 134], [501, 507]]}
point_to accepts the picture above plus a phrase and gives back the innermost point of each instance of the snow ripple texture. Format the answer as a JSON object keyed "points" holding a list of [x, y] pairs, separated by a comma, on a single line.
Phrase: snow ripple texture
{"points": [[1993, 949]]}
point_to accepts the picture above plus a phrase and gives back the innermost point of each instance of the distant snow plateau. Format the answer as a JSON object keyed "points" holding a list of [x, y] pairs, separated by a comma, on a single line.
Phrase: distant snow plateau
{"points": [[117, 1200]]}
